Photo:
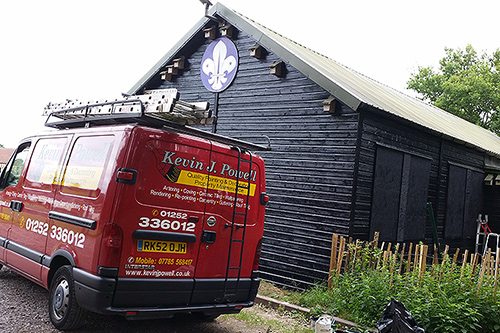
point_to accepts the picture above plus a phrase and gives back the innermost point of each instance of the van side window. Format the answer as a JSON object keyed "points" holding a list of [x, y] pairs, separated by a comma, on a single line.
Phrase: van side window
{"points": [[86, 165], [45, 163], [12, 171]]}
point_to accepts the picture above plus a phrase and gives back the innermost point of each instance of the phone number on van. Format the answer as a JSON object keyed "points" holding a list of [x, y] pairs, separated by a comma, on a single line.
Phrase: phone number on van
{"points": [[166, 224], [61, 234]]}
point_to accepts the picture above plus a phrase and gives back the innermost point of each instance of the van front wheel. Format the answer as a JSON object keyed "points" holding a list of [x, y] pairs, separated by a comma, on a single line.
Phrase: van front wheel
{"points": [[64, 311]]}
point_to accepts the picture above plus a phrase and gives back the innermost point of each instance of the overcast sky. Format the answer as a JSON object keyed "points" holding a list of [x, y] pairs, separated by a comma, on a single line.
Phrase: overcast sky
{"points": [[57, 49]]}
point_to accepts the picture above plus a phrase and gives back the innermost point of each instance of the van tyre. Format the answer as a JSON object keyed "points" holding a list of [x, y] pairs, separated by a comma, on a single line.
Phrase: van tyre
{"points": [[64, 311]]}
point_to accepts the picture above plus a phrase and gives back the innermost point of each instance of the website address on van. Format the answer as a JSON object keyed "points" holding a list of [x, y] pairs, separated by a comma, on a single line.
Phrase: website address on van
{"points": [[157, 273]]}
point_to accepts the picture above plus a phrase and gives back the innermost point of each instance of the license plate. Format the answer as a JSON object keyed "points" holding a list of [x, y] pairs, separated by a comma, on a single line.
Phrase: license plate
{"points": [[161, 246]]}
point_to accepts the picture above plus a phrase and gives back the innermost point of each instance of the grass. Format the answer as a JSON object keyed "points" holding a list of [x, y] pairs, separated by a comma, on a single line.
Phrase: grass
{"points": [[276, 321], [270, 290]]}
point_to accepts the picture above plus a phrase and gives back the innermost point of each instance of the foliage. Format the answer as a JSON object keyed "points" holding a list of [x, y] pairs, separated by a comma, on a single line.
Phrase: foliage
{"points": [[466, 84], [446, 298]]}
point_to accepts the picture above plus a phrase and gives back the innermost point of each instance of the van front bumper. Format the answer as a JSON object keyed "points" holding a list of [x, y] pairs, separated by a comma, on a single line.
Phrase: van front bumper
{"points": [[162, 298]]}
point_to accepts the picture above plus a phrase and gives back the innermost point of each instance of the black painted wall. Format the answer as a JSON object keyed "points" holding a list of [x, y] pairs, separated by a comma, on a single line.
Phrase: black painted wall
{"points": [[453, 174], [310, 169]]}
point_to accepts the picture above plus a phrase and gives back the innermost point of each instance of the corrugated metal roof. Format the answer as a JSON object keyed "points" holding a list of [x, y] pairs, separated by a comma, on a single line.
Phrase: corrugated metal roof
{"points": [[349, 86]]}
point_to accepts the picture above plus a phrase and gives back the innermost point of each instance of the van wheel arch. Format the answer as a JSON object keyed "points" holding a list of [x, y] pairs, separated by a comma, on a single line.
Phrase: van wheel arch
{"points": [[59, 258]]}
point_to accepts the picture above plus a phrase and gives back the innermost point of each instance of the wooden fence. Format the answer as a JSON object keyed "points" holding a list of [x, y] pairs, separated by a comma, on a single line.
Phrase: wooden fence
{"points": [[347, 255]]}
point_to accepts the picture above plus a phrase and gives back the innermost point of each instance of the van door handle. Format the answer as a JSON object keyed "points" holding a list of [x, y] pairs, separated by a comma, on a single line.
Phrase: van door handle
{"points": [[16, 206], [208, 236]]}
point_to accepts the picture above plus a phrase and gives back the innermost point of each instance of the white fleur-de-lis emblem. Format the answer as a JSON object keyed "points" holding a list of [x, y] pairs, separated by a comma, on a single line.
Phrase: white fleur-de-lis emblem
{"points": [[219, 67]]}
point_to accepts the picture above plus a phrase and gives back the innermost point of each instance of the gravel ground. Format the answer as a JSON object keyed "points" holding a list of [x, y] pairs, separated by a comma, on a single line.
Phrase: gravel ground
{"points": [[24, 308]]}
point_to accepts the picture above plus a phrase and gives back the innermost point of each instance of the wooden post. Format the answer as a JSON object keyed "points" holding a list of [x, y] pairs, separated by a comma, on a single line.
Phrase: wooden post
{"points": [[455, 257], [401, 258], [474, 261], [333, 259], [379, 255], [418, 248], [348, 255], [354, 256], [408, 264], [374, 245], [485, 263], [423, 261], [435, 260], [444, 260], [386, 256], [445, 253], [464, 263], [340, 254], [393, 259], [376, 237]]}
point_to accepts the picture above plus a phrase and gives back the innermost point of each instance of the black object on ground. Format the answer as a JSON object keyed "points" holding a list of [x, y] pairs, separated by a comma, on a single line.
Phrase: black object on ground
{"points": [[397, 319]]}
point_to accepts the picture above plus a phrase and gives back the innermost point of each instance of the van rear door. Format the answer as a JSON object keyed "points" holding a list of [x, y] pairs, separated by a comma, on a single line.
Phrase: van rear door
{"points": [[161, 214], [232, 227]]}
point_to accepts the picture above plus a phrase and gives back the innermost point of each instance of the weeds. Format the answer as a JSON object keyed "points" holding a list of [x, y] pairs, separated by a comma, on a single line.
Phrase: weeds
{"points": [[448, 297]]}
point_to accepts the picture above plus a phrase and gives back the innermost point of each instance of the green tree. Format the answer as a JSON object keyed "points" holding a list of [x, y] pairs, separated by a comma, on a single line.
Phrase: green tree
{"points": [[467, 84]]}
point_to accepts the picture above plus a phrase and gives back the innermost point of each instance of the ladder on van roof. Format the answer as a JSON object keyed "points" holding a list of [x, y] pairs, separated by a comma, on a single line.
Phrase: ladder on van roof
{"points": [[162, 103], [159, 108]]}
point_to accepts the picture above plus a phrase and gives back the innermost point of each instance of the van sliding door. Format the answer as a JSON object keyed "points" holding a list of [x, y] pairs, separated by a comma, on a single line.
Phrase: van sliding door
{"points": [[30, 222]]}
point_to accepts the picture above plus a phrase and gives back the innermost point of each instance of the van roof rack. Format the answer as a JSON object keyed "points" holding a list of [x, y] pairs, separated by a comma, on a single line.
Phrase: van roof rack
{"points": [[159, 108]]}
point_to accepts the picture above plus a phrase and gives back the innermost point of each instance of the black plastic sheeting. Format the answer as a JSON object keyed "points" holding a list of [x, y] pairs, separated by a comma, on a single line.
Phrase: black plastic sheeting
{"points": [[397, 319]]}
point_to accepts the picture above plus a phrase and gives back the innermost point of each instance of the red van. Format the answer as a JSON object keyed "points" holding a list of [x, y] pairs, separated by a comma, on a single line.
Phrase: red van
{"points": [[142, 219]]}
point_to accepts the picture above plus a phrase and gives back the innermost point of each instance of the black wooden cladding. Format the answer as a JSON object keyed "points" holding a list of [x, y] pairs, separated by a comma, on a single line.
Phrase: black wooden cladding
{"points": [[321, 174], [446, 158], [492, 206], [399, 198], [309, 171]]}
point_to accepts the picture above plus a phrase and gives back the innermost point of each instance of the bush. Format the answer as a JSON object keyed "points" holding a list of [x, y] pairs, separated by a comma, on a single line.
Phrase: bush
{"points": [[445, 298]]}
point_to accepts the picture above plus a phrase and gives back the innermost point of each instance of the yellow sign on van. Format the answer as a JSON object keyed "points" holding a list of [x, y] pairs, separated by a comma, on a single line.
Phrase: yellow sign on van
{"points": [[86, 177], [48, 174], [214, 183]]}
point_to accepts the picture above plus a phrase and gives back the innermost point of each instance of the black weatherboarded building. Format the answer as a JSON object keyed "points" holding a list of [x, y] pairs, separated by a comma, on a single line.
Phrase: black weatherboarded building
{"points": [[370, 162]]}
